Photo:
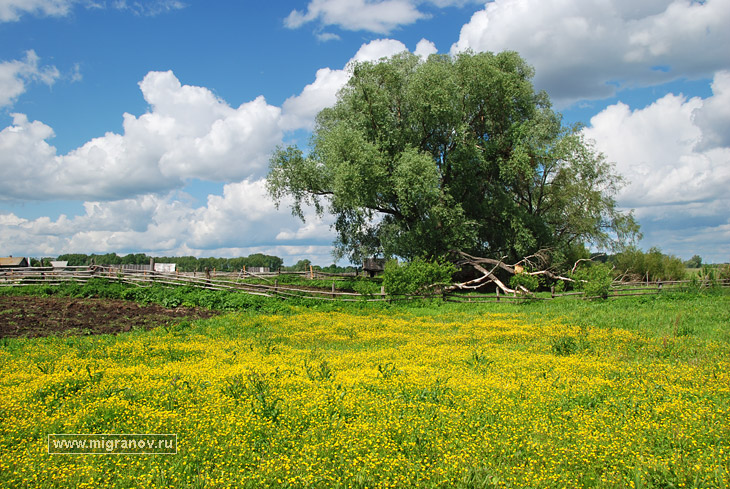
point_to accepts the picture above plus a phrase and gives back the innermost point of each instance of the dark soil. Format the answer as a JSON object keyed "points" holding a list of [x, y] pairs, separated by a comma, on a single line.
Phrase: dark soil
{"points": [[32, 316]]}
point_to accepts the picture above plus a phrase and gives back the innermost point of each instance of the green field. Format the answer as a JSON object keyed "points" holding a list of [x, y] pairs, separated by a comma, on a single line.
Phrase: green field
{"points": [[633, 392]]}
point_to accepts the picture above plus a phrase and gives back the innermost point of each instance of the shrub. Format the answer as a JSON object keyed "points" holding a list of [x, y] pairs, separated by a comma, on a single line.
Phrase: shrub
{"points": [[530, 282], [366, 287], [595, 280], [416, 276], [724, 272]]}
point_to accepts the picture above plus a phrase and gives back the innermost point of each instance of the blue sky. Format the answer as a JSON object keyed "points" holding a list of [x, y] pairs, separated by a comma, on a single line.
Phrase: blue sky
{"points": [[130, 126]]}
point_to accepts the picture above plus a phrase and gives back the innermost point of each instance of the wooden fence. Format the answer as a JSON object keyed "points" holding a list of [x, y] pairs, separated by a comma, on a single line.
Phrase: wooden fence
{"points": [[12, 277]]}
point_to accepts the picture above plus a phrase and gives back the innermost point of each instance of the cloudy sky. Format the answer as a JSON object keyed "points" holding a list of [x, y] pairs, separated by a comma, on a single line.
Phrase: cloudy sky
{"points": [[146, 126]]}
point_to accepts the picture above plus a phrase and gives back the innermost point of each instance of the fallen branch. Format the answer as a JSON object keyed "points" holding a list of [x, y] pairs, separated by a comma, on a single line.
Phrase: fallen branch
{"points": [[539, 259]]}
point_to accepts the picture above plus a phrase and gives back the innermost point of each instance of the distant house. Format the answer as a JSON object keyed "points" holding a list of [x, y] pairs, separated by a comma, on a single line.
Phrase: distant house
{"points": [[373, 266], [165, 267], [257, 269], [59, 264], [13, 262]]}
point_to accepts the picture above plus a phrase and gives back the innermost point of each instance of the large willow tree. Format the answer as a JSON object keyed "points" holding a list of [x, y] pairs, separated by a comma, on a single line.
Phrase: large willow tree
{"points": [[421, 157]]}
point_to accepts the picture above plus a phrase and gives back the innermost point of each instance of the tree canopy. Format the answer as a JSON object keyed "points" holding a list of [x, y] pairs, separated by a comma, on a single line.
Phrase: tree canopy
{"points": [[418, 157]]}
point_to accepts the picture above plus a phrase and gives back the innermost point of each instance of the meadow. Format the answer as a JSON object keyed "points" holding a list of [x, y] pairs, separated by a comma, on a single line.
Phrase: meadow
{"points": [[632, 392]]}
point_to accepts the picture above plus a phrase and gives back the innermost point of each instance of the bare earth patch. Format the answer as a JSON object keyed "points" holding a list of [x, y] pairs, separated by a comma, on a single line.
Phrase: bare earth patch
{"points": [[31, 316]]}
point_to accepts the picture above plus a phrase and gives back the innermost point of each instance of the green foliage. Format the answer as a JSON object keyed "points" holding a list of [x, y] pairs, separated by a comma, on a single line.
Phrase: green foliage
{"points": [[366, 287], [654, 265], [301, 266], [595, 280], [694, 262], [416, 276], [530, 282], [723, 272], [564, 345], [420, 157]]}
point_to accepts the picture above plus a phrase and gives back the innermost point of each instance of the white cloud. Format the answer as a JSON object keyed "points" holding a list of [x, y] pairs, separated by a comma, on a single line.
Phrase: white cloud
{"points": [[240, 221], [11, 10], [425, 48], [188, 133], [149, 8], [378, 16], [15, 76], [677, 181], [714, 115], [378, 49], [11, 220], [327, 36], [589, 48], [300, 110], [354, 15]]}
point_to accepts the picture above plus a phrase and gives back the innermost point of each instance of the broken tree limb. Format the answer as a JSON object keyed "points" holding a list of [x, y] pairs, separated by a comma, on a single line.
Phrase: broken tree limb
{"points": [[540, 260]]}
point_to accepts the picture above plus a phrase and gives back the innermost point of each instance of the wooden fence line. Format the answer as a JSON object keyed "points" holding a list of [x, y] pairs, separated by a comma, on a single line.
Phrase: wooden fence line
{"points": [[12, 277]]}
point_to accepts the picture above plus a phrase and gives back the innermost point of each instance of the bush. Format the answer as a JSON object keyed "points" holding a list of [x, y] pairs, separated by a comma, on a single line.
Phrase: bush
{"points": [[595, 280], [366, 287], [530, 282], [417, 276], [724, 272]]}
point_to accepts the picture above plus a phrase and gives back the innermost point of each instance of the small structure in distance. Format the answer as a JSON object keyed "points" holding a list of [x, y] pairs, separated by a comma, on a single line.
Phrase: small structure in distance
{"points": [[373, 266], [14, 262]]}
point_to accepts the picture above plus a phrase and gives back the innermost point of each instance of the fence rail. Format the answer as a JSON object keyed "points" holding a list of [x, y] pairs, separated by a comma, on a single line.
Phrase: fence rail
{"points": [[13, 277]]}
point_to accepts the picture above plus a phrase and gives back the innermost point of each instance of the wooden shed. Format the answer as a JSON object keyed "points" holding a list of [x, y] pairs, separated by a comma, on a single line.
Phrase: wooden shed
{"points": [[373, 266], [14, 262]]}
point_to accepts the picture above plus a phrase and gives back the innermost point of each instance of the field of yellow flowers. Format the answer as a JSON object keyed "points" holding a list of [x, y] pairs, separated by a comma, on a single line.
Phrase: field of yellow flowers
{"points": [[623, 394]]}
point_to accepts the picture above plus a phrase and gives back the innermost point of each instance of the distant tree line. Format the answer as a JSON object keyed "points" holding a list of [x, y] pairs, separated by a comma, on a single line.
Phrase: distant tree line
{"points": [[653, 265], [184, 263], [190, 263], [304, 265]]}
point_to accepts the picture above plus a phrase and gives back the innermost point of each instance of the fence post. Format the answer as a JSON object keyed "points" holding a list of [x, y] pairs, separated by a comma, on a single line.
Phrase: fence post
{"points": [[333, 289], [552, 291], [497, 294]]}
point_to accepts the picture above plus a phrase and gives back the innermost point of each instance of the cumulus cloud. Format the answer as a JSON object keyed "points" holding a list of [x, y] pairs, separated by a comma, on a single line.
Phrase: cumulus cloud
{"points": [[188, 133], [425, 48], [677, 180], [240, 221], [714, 115], [300, 110], [131, 181], [378, 49], [15, 76], [591, 48]]}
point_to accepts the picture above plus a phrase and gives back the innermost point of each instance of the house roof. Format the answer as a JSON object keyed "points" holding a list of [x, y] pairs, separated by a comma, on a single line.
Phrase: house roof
{"points": [[13, 261]]}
